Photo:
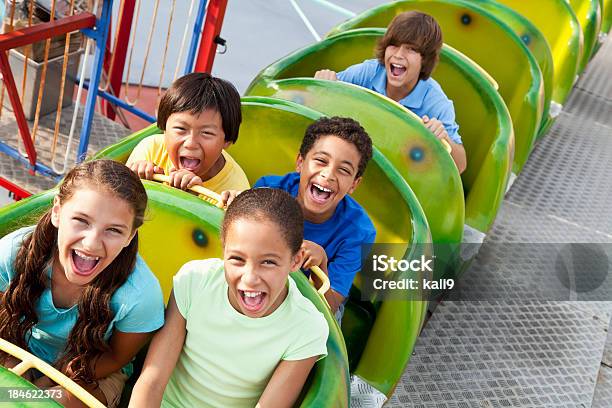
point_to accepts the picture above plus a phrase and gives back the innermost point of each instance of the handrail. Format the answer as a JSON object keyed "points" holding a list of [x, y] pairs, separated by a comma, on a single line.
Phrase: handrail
{"points": [[202, 192], [324, 278], [43, 31]]}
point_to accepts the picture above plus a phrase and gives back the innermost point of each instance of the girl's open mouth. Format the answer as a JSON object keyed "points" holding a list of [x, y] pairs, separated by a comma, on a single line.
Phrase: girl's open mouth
{"points": [[252, 301], [83, 264]]}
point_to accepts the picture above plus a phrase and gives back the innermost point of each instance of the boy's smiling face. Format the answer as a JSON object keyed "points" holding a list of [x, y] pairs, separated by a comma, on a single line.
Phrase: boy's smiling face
{"points": [[403, 66], [327, 174], [195, 142]]}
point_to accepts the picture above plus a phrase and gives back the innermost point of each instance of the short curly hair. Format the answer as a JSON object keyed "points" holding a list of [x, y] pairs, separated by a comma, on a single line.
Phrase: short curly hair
{"points": [[268, 204], [345, 128], [198, 91], [419, 30]]}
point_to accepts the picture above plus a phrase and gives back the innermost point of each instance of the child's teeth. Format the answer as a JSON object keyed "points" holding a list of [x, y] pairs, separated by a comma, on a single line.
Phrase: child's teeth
{"points": [[252, 294], [327, 190], [89, 258]]}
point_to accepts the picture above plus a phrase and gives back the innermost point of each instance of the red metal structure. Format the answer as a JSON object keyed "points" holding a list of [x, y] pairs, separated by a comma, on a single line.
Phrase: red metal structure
{"points": [[18, 192], [215, 13], [212, 29], [30, 35]]}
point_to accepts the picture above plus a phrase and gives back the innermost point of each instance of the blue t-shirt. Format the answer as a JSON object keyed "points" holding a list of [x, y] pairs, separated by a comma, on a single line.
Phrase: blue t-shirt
{"points": [[138, 305], [341, 236], [427, 97]]}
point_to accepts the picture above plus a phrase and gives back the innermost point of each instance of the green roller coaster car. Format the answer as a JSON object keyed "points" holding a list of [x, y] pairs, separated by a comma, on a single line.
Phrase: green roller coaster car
{"points": [[535, 41], [482, 37], [588, 13], [606, 19], [559, 25]]}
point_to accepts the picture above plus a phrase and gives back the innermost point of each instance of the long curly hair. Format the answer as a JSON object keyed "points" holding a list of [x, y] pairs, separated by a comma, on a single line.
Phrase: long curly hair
{"points": [[85, 343]]}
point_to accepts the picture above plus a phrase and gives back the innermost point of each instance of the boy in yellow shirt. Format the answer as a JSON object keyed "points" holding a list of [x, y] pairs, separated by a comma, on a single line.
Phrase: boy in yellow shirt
{"points": [[200, 116]]}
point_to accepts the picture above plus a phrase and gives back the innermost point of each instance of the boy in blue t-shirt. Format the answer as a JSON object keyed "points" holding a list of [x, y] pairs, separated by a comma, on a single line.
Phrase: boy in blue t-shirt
{"points": [[405, 58], [330, 164]]}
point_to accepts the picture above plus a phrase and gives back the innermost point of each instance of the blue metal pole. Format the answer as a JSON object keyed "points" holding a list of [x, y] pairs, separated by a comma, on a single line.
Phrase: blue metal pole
{"points": [[101, 30], [123, 105], [38, 167], [195, 39]]}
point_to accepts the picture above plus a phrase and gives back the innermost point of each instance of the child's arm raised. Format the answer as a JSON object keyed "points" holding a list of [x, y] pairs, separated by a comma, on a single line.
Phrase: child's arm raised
{"points": [[161, 358], [286, 383]]}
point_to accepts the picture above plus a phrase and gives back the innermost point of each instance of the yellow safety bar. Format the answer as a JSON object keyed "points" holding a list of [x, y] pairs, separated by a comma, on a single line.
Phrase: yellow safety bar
{"points": [[324, 278], [446, 145], [202, 192], [30, 361]]}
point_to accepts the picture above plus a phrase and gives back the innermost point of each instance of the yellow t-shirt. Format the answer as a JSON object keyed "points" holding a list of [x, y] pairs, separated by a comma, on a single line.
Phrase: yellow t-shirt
{"points": [[153, 149], [228, 358]]}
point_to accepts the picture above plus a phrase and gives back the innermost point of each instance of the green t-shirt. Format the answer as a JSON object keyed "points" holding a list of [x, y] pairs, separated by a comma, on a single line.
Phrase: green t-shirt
{"points": [[228, 358]]}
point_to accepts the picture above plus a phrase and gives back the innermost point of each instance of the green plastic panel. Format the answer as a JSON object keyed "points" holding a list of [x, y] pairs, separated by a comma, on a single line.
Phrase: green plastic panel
{"points": [[11, 381], [535, 41], [485, 124], [268, 143], [588, 13], [482, 37], [606, 20], [557, 21], [486, 130]]}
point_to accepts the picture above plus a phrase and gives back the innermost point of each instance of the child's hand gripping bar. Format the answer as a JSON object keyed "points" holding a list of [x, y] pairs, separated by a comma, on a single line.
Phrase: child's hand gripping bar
{"points": [[202, 192], [30, 361]]}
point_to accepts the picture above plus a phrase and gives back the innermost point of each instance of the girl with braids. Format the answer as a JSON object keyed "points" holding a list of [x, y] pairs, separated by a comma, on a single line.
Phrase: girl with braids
{"points": [[75, 291], [238, 332]]}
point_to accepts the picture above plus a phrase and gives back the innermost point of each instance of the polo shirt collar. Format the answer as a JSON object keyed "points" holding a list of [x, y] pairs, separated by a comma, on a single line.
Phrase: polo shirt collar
{"points": [[414, 100]]}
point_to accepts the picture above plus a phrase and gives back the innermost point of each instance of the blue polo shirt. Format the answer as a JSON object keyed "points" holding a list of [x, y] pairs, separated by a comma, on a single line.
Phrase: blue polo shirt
{"points": [[341, 236], [427, 97]]}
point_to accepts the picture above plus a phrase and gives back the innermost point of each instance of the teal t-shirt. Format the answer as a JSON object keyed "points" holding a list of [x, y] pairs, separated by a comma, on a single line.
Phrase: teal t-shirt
{"points": [[138, 305], [228, 358]]}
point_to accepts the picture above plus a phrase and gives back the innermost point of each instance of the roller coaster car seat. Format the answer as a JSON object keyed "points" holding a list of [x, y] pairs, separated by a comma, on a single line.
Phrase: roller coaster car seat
{"points": [[358, 320]]}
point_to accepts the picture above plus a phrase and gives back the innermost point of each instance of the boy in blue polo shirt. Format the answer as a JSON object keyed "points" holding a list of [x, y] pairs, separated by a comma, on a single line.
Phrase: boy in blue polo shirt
{"points": [[332, 158], [406, 56]]}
